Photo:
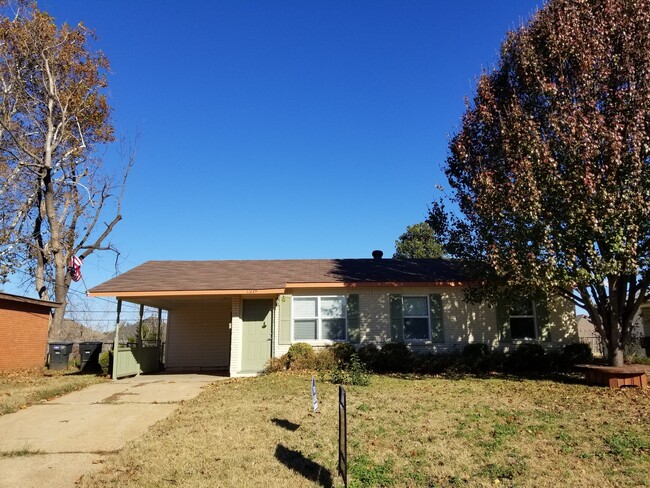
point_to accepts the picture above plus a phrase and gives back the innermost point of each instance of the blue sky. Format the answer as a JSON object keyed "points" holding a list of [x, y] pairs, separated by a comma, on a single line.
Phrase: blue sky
{"points": [[284, 129]]}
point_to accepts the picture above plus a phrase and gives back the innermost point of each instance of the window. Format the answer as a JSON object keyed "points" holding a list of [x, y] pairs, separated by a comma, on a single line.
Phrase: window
{"points": [[523, 321], [319, 318], [416, 318]]}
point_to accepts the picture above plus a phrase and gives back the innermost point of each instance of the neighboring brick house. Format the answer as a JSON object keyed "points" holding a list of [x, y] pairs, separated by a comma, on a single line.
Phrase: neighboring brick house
{"points": [[235, 315], [24, 325]]}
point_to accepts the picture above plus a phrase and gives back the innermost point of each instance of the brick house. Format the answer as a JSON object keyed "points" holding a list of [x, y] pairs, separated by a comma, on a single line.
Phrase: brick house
{"points": [[24, 324], [235, 315]]}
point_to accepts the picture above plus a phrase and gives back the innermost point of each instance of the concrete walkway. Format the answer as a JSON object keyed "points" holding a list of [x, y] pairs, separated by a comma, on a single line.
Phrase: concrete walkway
{"points": [[62, 439]]}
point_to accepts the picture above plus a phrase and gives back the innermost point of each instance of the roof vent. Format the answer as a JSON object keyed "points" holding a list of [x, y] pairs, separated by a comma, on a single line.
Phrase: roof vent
{"points": [[377, 254]]}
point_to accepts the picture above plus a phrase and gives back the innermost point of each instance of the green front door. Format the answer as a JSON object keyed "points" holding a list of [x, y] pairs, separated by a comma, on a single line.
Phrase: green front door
{"points": [[256, 341]]}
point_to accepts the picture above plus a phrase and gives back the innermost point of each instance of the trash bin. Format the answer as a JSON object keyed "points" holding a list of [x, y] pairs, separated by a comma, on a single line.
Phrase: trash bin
{"points": [[59, 354], [89, 354]]}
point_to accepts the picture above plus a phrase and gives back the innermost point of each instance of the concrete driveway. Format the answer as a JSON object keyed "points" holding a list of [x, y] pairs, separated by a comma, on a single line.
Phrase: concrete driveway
{"points": [[55, 442]]}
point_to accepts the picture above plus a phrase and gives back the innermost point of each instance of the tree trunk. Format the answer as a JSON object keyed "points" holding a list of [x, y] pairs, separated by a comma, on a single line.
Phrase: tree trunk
{"points": [[56, 324], [616, 356], [61, 287], [615, 348], [611, 332]]}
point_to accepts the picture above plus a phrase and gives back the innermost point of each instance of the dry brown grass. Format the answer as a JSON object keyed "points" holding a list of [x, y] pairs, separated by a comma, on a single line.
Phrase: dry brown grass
{"points": [[20, 389], [402, 432]]}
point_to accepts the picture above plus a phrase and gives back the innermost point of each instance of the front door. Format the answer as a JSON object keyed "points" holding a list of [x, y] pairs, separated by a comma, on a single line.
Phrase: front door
{"points": [[256, 341]]}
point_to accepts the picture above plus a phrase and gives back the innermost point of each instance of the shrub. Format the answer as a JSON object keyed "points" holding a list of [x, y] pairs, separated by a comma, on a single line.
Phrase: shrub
{"points": [[476, 358], [637, 360], [439, 363], [333, 356], [576, 353], [277, 364], [342, 352], [352, 373], [301, 356], [394, 357], [495, 362], [324, 360], [106, 362], [527, 358], [555, 361], [476, 350], [633, 347], [369, 354]]}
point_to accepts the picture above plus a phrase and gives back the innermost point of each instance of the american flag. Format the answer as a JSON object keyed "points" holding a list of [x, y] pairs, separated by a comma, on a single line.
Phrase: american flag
{"points": [[75, 267]]}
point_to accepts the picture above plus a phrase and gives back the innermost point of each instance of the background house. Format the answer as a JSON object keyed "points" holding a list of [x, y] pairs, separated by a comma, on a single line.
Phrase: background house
{"points": [[235, 315], [24, 326], [587, 331], [587, 334]]}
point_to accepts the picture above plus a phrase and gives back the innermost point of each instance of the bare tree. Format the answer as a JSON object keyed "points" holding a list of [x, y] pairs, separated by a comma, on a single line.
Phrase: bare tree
{"points": [[54, 119]]}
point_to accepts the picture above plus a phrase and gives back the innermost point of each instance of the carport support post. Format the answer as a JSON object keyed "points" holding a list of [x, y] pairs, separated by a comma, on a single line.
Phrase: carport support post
{"points": [[158, 341], [116, 340], [139, 339]]}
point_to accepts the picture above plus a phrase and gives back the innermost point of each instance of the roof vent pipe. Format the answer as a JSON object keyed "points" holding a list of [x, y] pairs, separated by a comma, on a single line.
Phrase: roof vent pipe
{"points": [[377, 254]]}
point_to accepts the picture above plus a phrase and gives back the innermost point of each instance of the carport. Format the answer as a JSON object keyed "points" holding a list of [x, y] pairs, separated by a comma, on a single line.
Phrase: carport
{"points": [[197, 336], [221, 315]]}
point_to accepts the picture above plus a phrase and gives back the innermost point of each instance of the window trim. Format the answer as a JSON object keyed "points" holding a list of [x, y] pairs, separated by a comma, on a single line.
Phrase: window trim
{"points": [[319, 320], [535, 324], [428, 317]]}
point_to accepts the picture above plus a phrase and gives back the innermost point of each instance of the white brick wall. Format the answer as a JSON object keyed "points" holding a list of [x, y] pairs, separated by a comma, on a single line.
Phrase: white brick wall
{"points": [[463, 322]]}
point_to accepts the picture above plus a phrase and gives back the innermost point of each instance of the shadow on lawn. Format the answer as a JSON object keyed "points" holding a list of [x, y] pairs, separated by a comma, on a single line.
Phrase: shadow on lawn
{"points": [[306, 467], [286, 424]]}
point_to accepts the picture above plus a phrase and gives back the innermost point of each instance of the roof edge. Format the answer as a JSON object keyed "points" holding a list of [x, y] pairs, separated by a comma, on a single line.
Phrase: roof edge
{"points": [[375, 284], [261, 291], [183, 293], [33, 301]]}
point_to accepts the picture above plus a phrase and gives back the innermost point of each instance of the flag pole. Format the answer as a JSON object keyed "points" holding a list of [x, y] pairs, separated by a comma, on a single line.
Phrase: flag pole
{"points": [[84, 282]]}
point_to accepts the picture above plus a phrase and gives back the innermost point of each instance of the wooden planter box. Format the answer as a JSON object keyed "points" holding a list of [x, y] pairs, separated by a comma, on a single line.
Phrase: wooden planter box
{"points": [[614, 377]]}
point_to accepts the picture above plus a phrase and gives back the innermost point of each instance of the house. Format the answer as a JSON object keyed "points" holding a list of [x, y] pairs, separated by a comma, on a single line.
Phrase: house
{"points": [[586, 328], [24, 324], [642, 320], [235, 315], [588, 335]]}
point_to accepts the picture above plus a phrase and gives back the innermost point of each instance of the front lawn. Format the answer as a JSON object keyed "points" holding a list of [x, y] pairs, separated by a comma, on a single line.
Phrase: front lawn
{"points": [[402, 432], [20, 389]]}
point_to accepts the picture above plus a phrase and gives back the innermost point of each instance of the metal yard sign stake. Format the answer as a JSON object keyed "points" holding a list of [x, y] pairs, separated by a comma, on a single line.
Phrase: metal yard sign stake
{"points": [[314, 396], [343, 437]]}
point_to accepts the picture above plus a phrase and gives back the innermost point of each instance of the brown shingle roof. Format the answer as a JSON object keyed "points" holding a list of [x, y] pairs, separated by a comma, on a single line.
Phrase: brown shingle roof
{"points": [[33, 301], [201, 276]]}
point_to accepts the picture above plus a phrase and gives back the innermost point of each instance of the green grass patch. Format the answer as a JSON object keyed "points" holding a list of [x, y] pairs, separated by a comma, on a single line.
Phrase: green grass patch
{"points": [[366, 473], [627, 445]]}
